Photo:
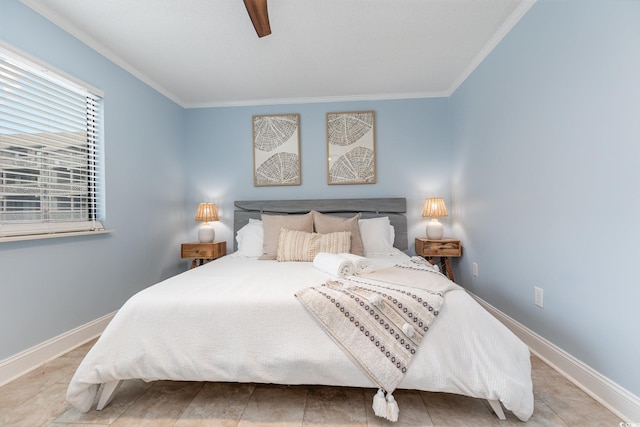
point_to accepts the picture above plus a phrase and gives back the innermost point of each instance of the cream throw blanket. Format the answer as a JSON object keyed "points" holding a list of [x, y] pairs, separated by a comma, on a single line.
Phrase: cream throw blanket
{"points": [[377, 323]]}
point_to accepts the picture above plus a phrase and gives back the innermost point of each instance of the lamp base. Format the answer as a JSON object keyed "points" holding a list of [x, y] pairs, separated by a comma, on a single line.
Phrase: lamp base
{"points": [[435, 229], [206, 233]]}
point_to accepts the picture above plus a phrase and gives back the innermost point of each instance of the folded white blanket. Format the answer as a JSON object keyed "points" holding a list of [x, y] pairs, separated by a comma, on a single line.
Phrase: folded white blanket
{"points": [[362, 265], [333, 264]]}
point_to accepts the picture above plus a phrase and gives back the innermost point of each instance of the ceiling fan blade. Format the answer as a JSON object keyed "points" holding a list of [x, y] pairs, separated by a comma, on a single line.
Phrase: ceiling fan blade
{"points": [[259, 16]]}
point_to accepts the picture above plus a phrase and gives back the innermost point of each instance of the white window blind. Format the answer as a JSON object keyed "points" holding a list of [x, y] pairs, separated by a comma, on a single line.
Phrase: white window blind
{"points": [[49, 153]]}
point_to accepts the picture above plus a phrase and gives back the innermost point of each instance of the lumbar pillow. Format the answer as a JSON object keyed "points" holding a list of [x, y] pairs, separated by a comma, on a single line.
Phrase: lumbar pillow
{"points": [[296, 245]]}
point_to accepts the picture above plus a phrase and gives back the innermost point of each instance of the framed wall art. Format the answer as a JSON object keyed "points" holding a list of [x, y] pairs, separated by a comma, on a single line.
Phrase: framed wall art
{"points": [[351, 154], [276, 150]]}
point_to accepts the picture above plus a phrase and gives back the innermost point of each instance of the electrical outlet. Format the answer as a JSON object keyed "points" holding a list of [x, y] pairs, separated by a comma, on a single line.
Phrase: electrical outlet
{"points": [[474, 269], [539, 296]]}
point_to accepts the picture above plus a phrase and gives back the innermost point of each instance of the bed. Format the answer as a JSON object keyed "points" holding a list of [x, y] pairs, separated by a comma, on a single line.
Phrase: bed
{"points": [[231, 319]]}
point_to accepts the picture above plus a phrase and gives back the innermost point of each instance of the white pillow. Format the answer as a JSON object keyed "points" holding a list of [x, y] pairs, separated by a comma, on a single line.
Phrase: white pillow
{"points": [[377, 236], [250, 239]]}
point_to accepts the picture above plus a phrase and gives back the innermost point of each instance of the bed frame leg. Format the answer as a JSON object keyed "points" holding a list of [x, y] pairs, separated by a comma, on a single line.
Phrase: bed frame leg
{"points": [[108, 391], [497, 408]]}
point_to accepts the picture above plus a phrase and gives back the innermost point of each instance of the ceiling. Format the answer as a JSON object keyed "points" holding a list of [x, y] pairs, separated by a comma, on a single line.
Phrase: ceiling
{"points": [[205, 53]]}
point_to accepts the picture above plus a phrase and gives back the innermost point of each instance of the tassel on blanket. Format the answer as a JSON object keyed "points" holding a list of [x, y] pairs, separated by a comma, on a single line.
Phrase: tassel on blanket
{"points": [[376, 300], [385, 407], [408, 330], [380, 404], [348, 285], [392, 408]]}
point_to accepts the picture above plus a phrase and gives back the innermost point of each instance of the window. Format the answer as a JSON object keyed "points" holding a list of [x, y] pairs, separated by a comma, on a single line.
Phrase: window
{"points": [[50, 177]]}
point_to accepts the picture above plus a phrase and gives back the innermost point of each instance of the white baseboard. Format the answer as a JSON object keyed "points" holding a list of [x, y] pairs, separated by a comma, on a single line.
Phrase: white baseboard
{"points": [[615, 398], [30, 359]]}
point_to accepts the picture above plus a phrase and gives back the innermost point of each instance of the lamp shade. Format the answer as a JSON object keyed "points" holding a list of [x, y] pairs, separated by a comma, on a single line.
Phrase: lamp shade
{"points": [[207, 212], [434, 208]]}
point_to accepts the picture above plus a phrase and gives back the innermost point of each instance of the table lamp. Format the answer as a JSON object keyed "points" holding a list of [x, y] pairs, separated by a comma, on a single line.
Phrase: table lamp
{"points": [[433, 208], [207, 212]]}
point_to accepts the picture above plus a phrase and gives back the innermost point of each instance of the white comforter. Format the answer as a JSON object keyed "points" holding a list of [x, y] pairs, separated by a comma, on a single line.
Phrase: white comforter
{"points": [[237, 319]]}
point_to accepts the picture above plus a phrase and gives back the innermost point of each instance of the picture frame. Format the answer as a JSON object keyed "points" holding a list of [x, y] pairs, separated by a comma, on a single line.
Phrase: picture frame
{"points": [[351, 149], [276, 150]]}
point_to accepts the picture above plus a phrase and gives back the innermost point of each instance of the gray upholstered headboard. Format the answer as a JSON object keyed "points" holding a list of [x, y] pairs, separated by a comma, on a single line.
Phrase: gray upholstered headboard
{"points": [[394, 208]]}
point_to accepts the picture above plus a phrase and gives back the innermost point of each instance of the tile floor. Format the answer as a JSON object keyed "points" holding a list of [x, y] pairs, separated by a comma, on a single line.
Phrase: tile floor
{"points": [[37, 399]]}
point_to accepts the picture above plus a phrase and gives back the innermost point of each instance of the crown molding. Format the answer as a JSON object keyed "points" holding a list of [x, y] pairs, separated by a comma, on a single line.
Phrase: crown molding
{"points": [[317, 100], [513, 19], [86, 39]]}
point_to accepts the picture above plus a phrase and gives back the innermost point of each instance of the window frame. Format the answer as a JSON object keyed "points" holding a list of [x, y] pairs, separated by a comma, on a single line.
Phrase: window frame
{"points": [[67, 197]]}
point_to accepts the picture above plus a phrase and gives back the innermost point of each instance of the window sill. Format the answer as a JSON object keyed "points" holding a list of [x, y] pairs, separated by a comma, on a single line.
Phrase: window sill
{"points": [[52, 235]]}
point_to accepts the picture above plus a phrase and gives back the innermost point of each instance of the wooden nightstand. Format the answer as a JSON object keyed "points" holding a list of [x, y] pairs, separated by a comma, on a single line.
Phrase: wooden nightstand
{"points": [[443, 249], [202, 253]]}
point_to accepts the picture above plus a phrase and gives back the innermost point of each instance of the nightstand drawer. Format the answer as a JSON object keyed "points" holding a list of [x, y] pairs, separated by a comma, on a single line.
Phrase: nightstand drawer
{"points": [[438, 248], [204, 250]]}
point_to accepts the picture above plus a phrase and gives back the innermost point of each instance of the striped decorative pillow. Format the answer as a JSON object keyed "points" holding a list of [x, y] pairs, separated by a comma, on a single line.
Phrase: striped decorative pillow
{"points": [[294, 245]]}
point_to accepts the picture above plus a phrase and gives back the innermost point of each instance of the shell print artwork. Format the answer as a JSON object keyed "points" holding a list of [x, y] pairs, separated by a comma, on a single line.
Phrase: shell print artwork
{"points": [[351, 148], [346, 129], [276, 150], [355, 166], [279, 169], [273, 131]]}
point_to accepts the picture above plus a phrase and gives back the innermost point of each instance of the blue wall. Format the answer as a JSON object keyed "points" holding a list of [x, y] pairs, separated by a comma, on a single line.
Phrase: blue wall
{"points": [[49, 287], [546, 173], [412, 152]]}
